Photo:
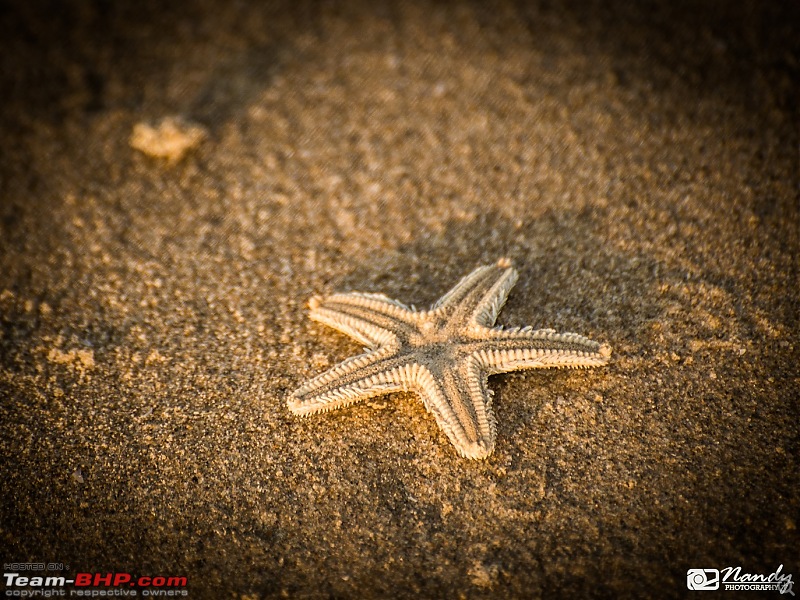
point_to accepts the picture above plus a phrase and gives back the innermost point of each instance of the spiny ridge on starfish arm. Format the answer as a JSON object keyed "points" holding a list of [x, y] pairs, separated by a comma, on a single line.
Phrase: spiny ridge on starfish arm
{"points": [[445, 354]]}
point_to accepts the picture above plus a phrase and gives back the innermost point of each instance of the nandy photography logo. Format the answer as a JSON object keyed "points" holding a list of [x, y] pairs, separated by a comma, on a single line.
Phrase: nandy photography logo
{"points": [[733, 579]]}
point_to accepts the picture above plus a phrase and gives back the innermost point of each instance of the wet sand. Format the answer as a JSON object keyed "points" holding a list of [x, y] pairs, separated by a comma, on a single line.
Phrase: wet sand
{"points": [[640, 167]]}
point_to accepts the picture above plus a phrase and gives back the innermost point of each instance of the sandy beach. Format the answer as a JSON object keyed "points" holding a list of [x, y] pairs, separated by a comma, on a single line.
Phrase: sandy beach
{"points": [[178, 180]]}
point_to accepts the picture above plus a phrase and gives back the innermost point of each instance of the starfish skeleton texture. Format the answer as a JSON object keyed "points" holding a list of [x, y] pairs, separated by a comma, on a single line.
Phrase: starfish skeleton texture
{"points": [[444, 354]]}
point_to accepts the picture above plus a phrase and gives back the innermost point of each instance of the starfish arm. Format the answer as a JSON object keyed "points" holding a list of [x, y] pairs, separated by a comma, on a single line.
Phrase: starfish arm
{"points": [[360, 377], [372, 319], [505, 350], [479, 296], [462, 406]]}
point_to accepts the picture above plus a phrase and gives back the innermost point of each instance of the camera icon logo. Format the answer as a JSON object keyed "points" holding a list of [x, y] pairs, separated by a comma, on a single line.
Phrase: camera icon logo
{"points": [[702, 579]]}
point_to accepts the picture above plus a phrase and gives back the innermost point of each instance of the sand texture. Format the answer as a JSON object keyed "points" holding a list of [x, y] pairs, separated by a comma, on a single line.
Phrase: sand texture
{"points": [[638, 162]]}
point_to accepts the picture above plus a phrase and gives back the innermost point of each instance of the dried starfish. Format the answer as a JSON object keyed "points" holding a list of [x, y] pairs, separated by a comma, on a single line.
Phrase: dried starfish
{"points": [[444, 354]]}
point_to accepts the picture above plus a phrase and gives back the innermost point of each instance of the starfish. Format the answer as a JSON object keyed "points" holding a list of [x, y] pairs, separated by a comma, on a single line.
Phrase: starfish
{"points": [[444, 354]]}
